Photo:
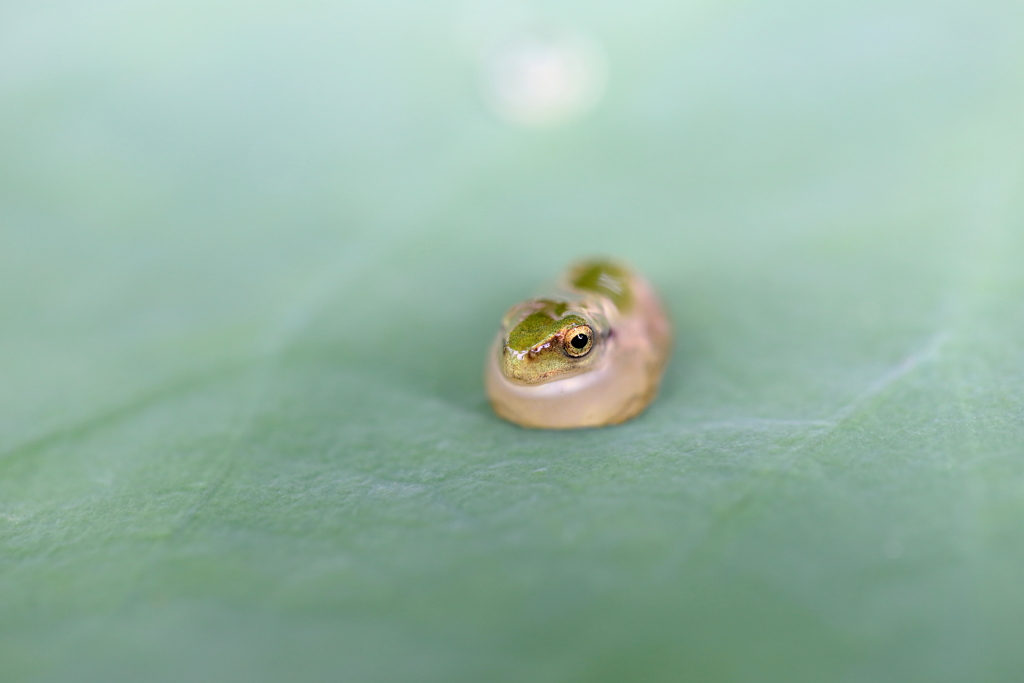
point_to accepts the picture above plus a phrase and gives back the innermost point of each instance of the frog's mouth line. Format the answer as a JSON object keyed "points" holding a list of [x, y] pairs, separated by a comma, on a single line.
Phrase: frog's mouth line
{"points": [[519, 355]]}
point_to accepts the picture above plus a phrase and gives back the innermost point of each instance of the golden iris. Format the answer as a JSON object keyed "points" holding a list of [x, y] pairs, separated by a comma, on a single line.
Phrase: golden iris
{"points": [[577, 341]]}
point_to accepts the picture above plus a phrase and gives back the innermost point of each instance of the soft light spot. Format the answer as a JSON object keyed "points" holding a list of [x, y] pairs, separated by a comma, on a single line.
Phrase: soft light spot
{"points": [[541, 81]]}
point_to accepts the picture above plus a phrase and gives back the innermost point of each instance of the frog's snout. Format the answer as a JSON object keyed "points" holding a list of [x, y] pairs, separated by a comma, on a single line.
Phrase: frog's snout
{"points": [[534, 365]]}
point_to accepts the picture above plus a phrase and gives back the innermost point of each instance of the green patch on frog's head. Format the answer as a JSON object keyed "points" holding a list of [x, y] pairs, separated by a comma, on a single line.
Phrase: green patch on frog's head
{"points": [[546, 340], [606, 278]]}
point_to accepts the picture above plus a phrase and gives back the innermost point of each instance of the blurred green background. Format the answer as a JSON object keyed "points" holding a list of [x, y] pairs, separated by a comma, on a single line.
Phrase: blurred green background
{"points": [[251, 255]]}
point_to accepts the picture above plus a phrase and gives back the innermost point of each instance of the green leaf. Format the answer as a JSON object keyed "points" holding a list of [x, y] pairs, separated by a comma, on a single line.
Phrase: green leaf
{"points": [[251, 256]]}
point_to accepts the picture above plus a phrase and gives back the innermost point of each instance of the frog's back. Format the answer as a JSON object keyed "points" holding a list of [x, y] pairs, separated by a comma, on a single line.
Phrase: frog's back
{"points": [[603, 277]]}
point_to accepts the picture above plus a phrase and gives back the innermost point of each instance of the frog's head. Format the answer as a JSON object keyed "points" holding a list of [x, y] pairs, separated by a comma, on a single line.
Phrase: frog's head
{"points": [[546, 339]]}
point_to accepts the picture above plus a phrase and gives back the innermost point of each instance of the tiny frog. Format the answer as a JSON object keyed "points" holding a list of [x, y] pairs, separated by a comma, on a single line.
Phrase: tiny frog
{"points": [[591, 353]]}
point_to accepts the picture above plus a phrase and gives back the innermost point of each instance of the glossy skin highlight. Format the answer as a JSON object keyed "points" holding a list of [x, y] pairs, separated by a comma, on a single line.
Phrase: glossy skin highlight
{"points": [[590, 354]]}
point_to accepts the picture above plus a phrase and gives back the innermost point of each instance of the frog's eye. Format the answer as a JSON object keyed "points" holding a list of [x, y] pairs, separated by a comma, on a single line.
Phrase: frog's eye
{"points": [[577, 341]]}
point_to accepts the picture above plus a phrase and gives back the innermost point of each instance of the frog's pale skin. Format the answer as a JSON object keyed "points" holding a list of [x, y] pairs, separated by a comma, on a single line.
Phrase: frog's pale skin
{"points": [[591, 354]]}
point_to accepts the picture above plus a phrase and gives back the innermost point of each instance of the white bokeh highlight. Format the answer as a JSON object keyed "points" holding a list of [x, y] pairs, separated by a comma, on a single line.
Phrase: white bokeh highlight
{"points": [[544, 80]]}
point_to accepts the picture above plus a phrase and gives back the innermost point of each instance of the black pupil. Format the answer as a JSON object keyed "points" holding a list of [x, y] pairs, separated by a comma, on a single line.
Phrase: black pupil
{"points": [[579, 341]]}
